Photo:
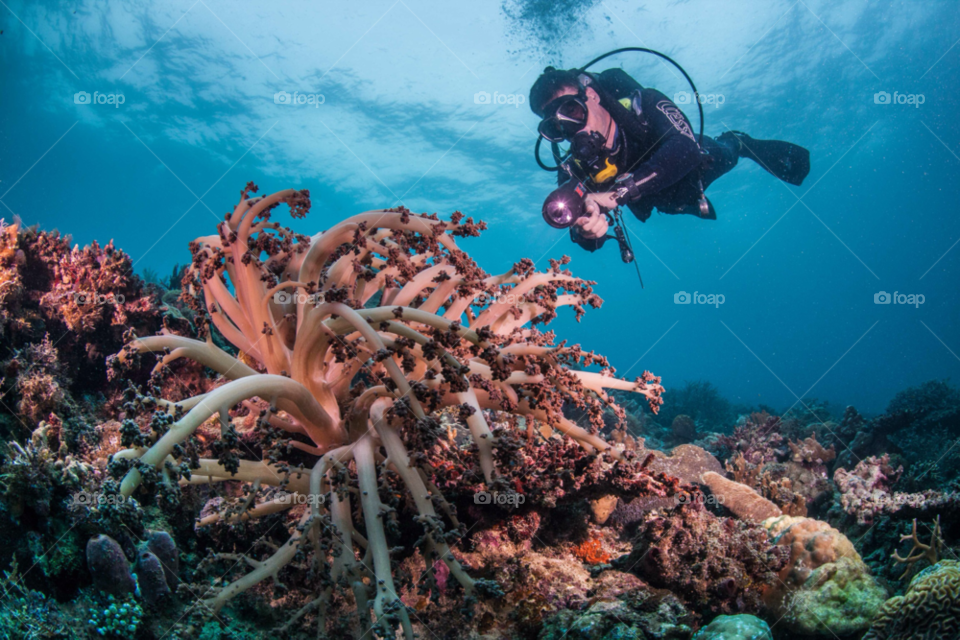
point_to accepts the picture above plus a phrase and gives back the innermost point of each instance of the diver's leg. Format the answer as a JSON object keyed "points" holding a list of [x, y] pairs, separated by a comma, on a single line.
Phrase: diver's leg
{"points": [[721, 156], [785, 160]]}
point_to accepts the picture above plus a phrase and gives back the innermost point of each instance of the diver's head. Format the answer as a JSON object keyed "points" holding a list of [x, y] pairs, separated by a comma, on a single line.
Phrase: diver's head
{"points": [[568, 105]]}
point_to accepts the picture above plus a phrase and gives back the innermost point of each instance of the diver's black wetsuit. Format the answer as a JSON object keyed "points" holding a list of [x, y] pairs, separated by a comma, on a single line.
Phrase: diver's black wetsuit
{"points": [[656, 143]]}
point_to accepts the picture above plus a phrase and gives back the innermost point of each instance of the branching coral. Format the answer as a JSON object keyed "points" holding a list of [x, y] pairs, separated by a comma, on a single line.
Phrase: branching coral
{"points": [[929, 552], [359, 336]]}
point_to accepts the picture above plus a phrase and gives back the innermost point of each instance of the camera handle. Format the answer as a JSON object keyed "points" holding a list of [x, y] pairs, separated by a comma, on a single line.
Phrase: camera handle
{"points": [[615, 218]]}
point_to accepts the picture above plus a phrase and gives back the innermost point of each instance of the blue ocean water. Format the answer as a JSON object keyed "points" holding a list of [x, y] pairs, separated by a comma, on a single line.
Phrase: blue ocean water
{"points": [[141, 121]]}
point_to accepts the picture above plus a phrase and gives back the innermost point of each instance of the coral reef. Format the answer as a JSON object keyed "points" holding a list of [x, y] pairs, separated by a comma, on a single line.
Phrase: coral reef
{"points": [[80, 300], [918, 425], [794, 478], [301, 312], [362, 434], [757, 438], [701, 403], [929, 609]]}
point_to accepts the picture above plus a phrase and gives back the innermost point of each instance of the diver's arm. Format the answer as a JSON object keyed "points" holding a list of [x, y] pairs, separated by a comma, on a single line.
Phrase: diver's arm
{"points": [[678, 154]]}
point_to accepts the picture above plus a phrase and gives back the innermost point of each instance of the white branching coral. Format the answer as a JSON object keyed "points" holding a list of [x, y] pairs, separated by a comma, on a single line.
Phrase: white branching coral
{"points": [[356, 338]]}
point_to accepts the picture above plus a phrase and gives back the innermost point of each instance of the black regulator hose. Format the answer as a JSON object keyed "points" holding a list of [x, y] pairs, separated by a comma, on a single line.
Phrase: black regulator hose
{"points": [[555, 149], [668, 59]]}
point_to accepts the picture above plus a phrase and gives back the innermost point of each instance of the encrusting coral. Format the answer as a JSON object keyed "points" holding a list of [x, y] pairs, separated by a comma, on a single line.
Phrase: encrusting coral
{"points": [[866, 493], [357, 335], [714, 564]]}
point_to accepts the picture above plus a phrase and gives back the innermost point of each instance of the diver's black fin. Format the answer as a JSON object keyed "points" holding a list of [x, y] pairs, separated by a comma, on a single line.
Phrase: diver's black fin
{"points": [[785, 160]]}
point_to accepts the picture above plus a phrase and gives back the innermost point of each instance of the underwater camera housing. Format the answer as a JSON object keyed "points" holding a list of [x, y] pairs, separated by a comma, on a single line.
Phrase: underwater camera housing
{"points": [[565, 205]]}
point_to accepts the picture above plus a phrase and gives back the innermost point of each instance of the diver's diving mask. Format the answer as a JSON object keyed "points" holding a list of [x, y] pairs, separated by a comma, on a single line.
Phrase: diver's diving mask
{"points": [[565, 116]]}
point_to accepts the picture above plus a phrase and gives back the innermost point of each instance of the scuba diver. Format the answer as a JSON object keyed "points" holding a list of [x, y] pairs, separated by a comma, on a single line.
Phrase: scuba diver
{"points": [[632, 145]]}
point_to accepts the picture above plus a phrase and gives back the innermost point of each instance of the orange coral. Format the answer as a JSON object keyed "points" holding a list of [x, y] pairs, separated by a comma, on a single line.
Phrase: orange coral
{"points": [[591, 552]]}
